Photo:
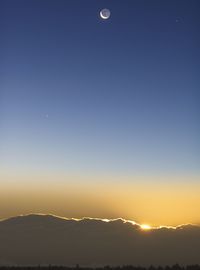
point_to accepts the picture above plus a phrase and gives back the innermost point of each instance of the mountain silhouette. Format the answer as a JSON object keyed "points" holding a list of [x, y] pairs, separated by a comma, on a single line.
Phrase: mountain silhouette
{"points": [[46, 239]]}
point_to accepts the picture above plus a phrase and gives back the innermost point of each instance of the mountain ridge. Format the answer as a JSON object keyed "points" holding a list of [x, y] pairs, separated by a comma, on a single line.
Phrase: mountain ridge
{"points": [[53, 217]]}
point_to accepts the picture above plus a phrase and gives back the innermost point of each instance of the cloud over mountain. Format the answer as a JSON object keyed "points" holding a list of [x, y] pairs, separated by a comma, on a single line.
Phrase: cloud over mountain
{"points": [[47, 239]]}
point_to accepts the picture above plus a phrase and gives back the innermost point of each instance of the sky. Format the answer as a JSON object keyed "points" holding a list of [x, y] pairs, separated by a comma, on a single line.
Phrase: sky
{"points": [[100, 117]]}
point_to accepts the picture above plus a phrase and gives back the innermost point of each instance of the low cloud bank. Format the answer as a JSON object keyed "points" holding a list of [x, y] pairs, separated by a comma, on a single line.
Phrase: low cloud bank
{"points": [[47, 239]]}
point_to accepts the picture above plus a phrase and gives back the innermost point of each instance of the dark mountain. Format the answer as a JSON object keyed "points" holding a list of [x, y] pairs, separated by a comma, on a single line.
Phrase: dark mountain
{"points": [[46, 239]]}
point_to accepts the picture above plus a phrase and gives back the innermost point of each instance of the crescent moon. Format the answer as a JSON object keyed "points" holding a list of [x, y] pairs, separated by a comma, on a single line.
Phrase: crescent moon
{"points": [[102, 16], [105, 13]]}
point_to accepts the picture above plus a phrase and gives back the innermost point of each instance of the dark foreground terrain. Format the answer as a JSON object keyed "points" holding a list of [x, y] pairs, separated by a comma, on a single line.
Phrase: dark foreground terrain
{"points": [[125, 267]]}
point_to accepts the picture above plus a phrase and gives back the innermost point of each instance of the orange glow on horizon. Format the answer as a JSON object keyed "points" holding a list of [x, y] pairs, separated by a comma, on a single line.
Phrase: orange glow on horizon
{"points": [[115, 199]]}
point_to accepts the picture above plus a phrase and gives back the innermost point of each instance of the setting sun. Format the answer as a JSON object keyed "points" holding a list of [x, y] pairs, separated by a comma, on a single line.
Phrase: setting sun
{"points": [[145, 227]]}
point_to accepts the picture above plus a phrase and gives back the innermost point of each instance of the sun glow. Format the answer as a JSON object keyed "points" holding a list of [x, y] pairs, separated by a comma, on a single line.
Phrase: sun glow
{"points": [[145, 227]]}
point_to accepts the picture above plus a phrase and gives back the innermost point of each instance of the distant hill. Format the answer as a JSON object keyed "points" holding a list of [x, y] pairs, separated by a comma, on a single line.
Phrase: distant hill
{"points": [[46, 239]]}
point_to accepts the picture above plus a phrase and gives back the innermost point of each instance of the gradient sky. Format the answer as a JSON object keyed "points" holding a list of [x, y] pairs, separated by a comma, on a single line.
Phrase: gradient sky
{"points": [[100, 118]]}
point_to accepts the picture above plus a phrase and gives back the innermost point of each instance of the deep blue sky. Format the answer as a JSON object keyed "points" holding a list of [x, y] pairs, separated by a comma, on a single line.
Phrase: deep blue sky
{"points": [[79, 94]]}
